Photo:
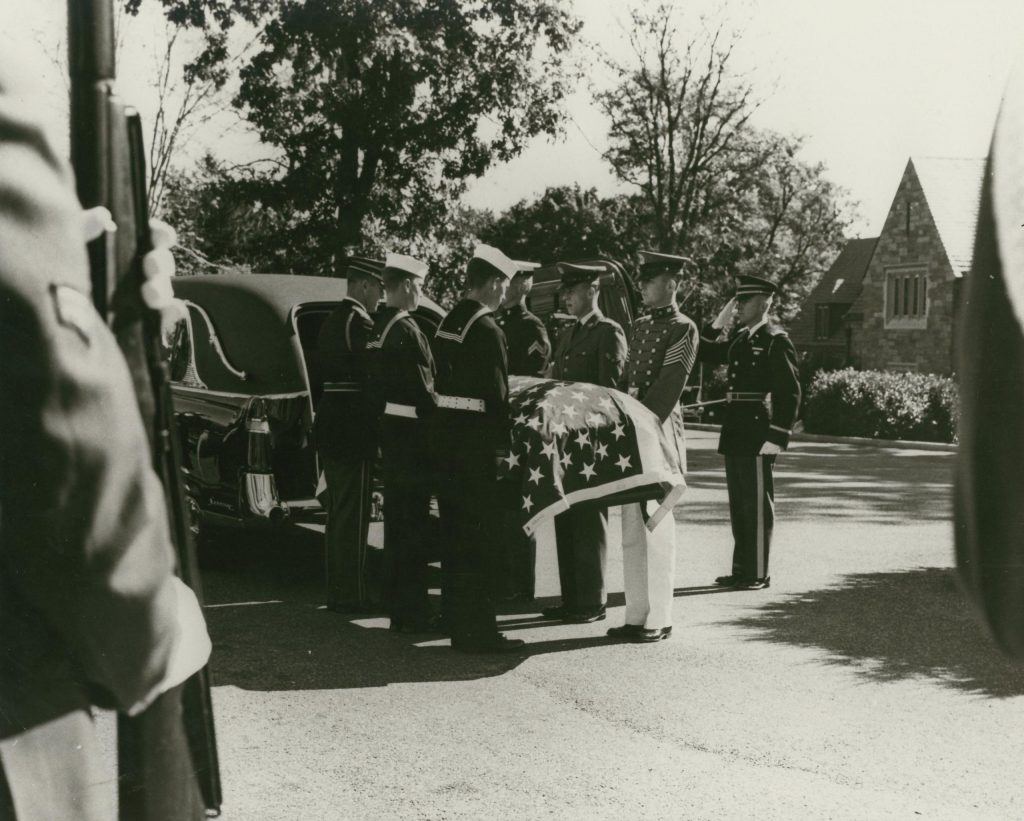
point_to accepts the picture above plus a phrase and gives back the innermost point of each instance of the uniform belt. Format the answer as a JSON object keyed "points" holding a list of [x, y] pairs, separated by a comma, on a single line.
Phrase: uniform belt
{"points": [[343, 387], [465, 403], [745, 396], [395, 409]]}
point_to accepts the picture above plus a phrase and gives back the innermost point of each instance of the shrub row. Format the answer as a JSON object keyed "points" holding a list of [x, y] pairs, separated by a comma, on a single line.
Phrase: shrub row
{"points": [[882, 405]]}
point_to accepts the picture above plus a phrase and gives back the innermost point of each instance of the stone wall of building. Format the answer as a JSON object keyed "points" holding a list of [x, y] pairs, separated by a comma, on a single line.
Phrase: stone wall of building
{"points": [[908, 238]]}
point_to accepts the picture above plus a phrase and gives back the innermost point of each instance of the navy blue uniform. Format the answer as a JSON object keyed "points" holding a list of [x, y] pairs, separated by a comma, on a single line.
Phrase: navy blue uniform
{"points": [[472, 430], [764, 395], [529, 349], [594, 352], [346, 438], [402, 389]]}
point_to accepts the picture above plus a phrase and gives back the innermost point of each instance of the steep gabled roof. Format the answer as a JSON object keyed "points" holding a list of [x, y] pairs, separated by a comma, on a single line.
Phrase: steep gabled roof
{"points": [[842, 281], [952, 187]]}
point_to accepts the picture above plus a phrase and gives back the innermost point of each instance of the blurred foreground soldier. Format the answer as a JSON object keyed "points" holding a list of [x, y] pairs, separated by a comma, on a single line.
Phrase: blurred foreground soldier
{"points": [[592, 349], [91, 612], [529, 354], [402, 381], [473, 431], [346, 436], [990, 478], [662, 350], [762, 401]]}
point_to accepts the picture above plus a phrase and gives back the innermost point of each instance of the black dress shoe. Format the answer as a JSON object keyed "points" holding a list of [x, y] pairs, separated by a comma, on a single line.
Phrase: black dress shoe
{"points": [[556, 611], [627, 631], [654, 634], [727, 581], [753, 584], [355, 608], [585, 616], [498, 643]]}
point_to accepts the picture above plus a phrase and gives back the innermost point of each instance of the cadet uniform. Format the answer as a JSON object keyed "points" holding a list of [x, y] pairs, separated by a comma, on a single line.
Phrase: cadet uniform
{"points": [[593, 349], [473, 429], [89, 607], [763, 397], [662, 350], [346, 438], [529, 354], [402, 383]]}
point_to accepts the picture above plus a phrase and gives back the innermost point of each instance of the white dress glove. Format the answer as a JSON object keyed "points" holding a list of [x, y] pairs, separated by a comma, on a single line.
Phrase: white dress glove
{"points": [[769, 449], [725, 316]]}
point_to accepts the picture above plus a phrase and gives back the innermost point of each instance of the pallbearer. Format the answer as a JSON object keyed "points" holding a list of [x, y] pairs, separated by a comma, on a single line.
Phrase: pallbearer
{"points": [[662, 350], [402, 380], [763, 397], [346, 435], [473, 431], [529, 354]]}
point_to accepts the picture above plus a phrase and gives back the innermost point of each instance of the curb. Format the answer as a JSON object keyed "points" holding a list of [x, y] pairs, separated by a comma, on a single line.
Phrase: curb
{"points": [[849, 440]]}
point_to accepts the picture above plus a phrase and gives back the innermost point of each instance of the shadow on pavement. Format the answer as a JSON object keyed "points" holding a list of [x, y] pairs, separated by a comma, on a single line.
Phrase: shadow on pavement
{"points": [[894, 626], [264, 596], [821, 481]]}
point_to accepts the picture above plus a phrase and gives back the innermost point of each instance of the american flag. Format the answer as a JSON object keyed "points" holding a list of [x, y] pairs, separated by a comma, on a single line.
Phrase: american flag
{"points": [[573, 442]]}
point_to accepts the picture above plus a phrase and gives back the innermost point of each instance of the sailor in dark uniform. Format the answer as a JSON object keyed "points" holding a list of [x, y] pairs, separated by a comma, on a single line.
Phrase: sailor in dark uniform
{"points": [[763, 398], [592, 349], [402, 386], [529, 354], [346, 436], [662, 350], [473, 432]]}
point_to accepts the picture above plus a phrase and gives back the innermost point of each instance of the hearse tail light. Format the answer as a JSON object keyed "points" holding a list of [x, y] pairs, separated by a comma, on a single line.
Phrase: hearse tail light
{"points": [[260, 488]]}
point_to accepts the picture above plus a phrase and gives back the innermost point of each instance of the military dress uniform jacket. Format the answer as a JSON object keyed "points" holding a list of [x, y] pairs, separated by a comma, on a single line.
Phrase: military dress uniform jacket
{"points": [[401, 365], [594, 352], [345, 426], [529, 349], [472, 363], [763, 387], [87, 599]]}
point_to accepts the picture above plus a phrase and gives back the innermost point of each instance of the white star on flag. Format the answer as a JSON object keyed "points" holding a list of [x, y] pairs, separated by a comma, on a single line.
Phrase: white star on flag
{"points": [[520, 420], [559, 428], [583, 438], [606, 403], [566, 459], [570, 411], [535, 422], [601, 450], [512, 459], [618, 432], [593, 420], [623, 462], [588, 471], [579, 396], [549, 449], [527, 503], [536, 474]]}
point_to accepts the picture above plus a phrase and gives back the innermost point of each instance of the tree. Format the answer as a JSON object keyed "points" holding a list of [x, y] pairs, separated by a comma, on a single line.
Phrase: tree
{"points": [[735, 198], [382, 109], [571, 223]]}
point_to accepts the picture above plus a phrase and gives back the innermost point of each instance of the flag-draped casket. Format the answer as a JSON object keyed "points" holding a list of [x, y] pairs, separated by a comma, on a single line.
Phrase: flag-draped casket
{"points": [[576, 443]]}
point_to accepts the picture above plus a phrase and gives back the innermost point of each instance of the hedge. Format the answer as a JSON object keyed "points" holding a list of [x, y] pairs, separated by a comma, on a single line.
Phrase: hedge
{"points": [[882, 405]]}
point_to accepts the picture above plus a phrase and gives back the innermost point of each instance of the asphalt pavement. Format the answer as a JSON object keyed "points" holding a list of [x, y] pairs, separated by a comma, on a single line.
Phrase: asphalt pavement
{"points": [[858, 686]]}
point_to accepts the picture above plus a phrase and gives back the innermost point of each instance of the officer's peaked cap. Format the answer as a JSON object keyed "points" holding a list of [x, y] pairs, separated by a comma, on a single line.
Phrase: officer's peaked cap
{"points": [[489, 258], [364, 266], [405, 265], [654, 263], [749, 286], [572, 273]]}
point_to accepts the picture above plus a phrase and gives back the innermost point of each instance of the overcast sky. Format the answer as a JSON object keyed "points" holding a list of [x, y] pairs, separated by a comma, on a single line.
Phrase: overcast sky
{"points": [[868, 83]]}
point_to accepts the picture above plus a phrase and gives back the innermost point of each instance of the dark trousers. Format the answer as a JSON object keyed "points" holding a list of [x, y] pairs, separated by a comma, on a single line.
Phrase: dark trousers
{"points": [[517, 574], [752, 511], [582, 545], [348, 522], [471, 535], [407, 488]]}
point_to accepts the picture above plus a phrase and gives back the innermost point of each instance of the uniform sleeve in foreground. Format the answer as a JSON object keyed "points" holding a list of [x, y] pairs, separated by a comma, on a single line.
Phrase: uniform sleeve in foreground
{"points": [[663, 396], [538, 351], [611, 356], [785, 382]]}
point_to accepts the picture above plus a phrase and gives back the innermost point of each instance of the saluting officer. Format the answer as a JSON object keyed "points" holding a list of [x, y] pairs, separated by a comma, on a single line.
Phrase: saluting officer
{"points": [[763, 397], [529, 354], [473, 432], [662, 350], [592, 349], [402, 381], [346, 435]]}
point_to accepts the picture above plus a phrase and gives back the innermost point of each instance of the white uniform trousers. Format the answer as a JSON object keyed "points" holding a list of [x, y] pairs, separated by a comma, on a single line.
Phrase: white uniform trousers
{"points": [[648, 567]]}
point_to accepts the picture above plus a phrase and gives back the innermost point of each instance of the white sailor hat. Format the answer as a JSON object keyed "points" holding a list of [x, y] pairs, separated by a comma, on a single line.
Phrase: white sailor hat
{"points": [[489, 258], [524, 268], [409, 266]]}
